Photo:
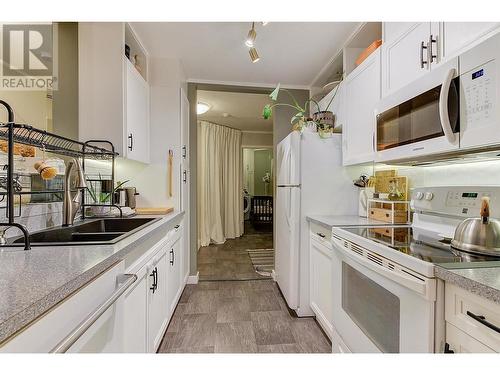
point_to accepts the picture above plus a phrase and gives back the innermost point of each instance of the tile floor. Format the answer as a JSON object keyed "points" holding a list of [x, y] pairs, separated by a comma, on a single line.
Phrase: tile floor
{"points": [[230, 260], [239, 317]]}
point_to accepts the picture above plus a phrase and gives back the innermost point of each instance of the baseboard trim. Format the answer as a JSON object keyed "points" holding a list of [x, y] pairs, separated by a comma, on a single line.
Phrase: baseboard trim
{"points": [[193, 279]]}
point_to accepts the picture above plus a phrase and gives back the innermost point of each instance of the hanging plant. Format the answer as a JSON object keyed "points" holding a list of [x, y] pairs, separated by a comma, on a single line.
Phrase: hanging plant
{"points": [[323, 121]]}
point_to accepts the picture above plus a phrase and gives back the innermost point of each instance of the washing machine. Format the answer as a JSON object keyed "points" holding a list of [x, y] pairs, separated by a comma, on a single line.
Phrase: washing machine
{"points": [[247, 204]]}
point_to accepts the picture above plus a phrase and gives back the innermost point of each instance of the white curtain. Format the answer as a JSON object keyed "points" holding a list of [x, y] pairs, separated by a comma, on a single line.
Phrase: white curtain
{"points": [[220, 201]]}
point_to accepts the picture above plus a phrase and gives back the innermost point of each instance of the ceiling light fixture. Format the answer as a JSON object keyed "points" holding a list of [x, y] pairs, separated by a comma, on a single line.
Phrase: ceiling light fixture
{"points": [[254, 55], [201, 108], [250, 42]]}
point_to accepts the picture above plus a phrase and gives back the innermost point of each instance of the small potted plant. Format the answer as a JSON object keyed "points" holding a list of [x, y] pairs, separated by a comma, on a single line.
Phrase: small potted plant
{"points": [[323, 121], [101, 197]]}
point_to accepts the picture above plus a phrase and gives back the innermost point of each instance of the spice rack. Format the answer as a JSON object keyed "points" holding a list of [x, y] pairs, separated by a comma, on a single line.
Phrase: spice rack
{"points": [[394, 212]]}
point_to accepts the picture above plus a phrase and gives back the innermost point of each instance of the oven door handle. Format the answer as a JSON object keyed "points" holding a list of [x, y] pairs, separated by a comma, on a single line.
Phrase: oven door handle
{"points": [[443, 106], [410, 282]]}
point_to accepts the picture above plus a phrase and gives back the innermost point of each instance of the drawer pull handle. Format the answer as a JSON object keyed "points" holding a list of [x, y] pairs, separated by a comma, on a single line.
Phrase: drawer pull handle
{"points": [[321, 235], [482, 319]]}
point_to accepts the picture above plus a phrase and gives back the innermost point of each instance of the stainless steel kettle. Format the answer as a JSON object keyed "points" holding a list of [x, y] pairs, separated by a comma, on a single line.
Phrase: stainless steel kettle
{"points": [[479, 235]]}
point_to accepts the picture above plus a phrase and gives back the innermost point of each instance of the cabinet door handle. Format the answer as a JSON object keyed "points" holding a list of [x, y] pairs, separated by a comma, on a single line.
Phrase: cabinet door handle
{"points": [[131, 141], [447, 349], [321, 235], [177, 227], [430, 56], [184, 176], [482, 319], [154, 275], [184, 152], [172, 257], [423, 63]]}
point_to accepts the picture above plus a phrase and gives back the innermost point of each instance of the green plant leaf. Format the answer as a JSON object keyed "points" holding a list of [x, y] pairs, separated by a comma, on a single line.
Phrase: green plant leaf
{"points": [[274, 94], [267, 111], [297, 117]]}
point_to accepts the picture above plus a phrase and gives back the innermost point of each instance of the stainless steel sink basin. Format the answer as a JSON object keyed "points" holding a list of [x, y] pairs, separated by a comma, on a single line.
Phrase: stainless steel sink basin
{"points": [[99, 231]]}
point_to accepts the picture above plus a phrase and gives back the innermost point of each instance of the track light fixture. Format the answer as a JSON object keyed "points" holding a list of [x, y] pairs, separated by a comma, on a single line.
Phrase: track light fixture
{"points": [[250, 42], [254, 55]]}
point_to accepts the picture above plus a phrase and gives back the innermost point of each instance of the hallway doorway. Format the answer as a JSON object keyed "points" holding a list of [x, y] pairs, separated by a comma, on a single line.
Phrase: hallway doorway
{"points": [[247, 253]]}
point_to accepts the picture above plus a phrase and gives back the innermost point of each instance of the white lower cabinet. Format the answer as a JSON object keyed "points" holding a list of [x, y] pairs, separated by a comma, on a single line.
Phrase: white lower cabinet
{"points": [[135, 319], [105, 335], [320, 283], [472, 322], [138, 314], [158, 313], [459, 342], [174, 275]]}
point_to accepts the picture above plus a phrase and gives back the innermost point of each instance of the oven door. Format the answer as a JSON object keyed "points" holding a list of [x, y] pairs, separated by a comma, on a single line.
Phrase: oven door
{"points": [[380, 306], [422, 118]]}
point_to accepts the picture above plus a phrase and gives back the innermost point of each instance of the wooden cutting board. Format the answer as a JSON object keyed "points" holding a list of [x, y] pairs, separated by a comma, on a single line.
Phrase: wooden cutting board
{"points": [[154, 210]]}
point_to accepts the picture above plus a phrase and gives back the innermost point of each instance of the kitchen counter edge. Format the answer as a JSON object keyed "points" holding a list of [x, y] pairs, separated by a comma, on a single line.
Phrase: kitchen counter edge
{"points": [[484, 282]]}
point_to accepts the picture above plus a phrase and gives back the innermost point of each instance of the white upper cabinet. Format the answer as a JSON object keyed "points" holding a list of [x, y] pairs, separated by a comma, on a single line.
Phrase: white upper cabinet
{"points": [[137, 118], [411, 49], [362, 93], [406, 53], [456, 36], [113, 94]]}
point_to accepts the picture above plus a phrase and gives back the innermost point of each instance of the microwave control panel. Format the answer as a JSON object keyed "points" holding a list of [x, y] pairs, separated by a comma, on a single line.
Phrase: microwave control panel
{"points": [[479, 95]]}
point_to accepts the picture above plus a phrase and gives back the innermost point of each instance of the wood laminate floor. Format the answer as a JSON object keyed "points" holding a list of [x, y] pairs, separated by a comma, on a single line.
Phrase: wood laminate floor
{"points": [[230, 260], [239, 317]]}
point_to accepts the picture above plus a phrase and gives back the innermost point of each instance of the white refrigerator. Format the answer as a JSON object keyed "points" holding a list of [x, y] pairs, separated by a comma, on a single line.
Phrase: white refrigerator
{"points": [[310, 180]]}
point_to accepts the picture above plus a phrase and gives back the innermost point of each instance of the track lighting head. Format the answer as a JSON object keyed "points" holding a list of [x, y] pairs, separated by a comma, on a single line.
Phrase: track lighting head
{"points": [[254, 55], [252, 34]]}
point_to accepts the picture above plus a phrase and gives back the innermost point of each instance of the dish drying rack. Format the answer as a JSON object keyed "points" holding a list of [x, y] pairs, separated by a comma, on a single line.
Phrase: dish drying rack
{"points": [[44, 140]]}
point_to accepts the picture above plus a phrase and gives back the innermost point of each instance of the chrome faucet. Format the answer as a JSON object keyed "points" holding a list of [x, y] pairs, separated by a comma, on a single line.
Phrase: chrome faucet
{"points": [[72, 199]]}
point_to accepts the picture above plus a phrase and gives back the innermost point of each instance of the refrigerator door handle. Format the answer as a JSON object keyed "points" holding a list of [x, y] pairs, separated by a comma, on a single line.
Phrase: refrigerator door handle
{"points": [[288, 214]]}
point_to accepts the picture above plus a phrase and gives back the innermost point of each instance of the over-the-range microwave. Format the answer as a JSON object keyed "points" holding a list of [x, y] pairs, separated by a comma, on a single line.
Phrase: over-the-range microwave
{"points": [[453, 109]]}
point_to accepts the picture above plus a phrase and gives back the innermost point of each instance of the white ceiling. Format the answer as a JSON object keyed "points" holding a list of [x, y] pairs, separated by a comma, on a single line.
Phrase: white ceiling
{"points": [[244, 110], [292, 53]]}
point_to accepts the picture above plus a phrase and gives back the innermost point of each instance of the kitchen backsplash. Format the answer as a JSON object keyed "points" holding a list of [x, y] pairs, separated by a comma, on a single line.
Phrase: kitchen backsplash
{"points": [[485, 172]]}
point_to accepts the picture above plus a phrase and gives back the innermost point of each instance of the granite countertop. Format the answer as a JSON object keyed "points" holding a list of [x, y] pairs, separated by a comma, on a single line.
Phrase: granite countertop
{"points": [[483, 281], [33, 281], [343, 220]]}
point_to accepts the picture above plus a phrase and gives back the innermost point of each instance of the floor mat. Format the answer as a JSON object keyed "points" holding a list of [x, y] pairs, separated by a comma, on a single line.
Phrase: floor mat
{"points": [[262, 260]]}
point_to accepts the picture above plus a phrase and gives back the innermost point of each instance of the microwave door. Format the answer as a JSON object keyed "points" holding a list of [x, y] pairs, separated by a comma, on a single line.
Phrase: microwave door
{"points": [[420, 119]]}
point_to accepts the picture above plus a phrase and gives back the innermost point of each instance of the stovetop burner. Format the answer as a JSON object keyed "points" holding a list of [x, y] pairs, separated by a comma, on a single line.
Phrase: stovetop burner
{"points": [[424, 246]]}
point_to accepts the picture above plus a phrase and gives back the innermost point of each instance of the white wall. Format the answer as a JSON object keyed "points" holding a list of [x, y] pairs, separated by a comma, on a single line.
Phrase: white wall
{"points": [[256, 139], [151, 180]]}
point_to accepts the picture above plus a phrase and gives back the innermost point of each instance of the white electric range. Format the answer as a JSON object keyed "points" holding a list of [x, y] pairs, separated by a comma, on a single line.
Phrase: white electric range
{"points": [[386, 296]]}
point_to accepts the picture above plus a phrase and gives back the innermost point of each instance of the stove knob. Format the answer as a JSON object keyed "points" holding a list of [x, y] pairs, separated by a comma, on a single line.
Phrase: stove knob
{"points": [[419, 195], [429, 196]]}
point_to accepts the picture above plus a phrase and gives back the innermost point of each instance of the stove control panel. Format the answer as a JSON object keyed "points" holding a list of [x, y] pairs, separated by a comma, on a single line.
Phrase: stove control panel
{"points": [[462, 201]]}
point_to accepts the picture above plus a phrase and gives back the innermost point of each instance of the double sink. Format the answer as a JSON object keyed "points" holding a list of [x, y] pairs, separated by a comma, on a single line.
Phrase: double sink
{"points": [[94, 232]]}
